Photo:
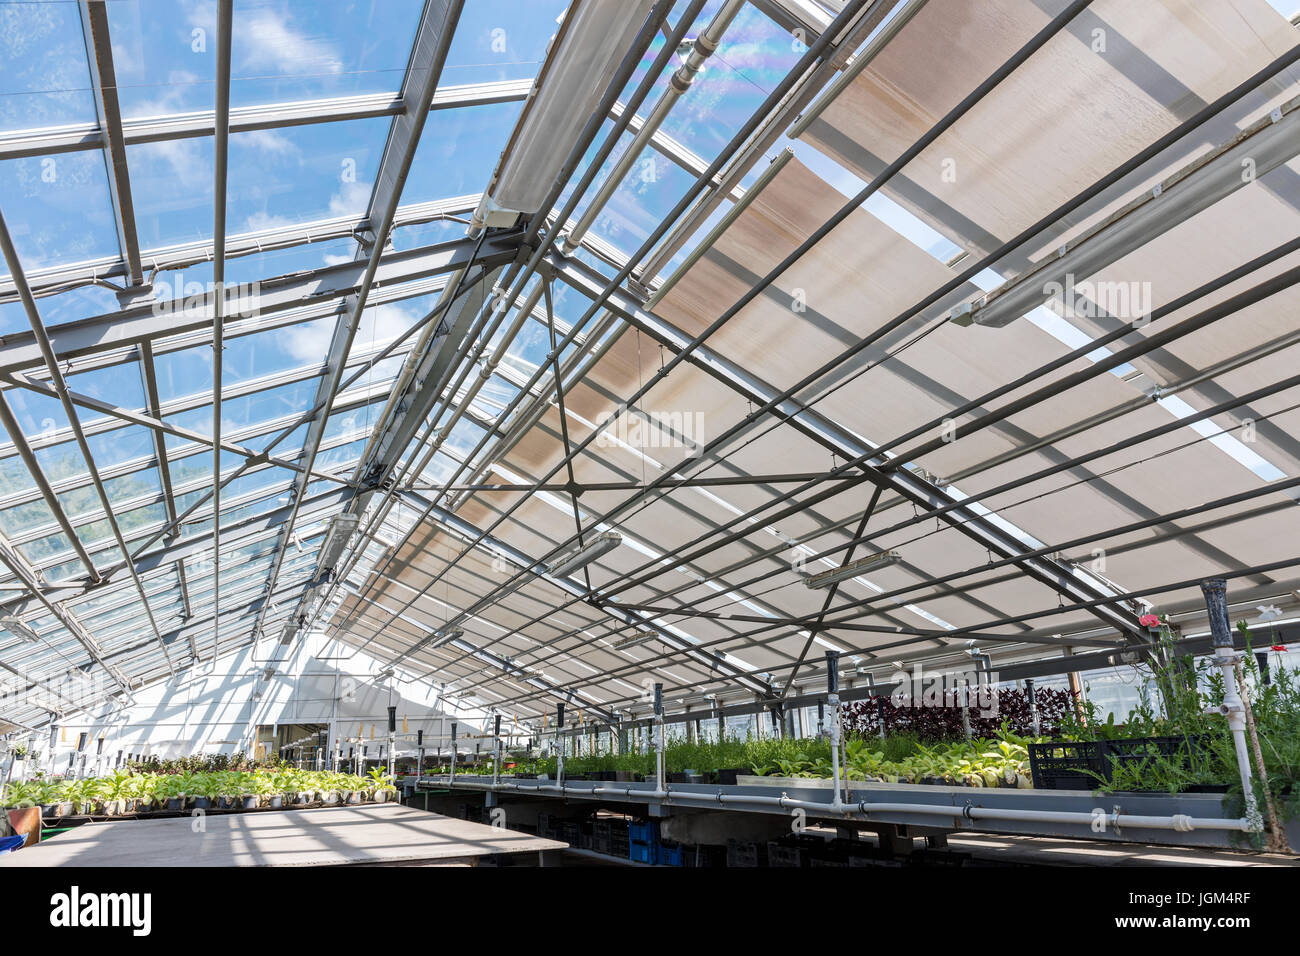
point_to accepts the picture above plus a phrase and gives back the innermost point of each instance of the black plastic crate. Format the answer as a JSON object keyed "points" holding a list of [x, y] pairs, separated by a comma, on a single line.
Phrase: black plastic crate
{"points": [[1085, 765], [780, 855], [1067, 764], [704, 855], [745, 855]]}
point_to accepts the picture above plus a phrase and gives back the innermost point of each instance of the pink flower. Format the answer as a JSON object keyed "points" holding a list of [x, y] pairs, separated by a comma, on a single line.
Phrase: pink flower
{"points": [[1149, 620]]}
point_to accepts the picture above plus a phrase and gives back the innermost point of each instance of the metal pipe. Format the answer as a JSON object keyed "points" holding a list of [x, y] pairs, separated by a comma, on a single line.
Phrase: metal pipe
{"points": [[813, 52], [856, 66], [703, 48], [763, 139], [496, 748], [559, 743], [1178, 822], [833, 704], [61, 386], [221, 142], [1226, 657], [588, 135], [661, 777]]}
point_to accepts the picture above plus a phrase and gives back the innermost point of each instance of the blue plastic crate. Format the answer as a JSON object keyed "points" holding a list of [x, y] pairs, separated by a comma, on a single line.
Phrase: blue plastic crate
{"points": [[670, 855], [643, 852], [647, 832]]}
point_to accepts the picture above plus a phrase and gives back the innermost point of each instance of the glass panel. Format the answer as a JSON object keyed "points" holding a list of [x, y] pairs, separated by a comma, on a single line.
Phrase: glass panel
{"points": [[281, 50], [276, 350], [39, 416], [501, 40], [58, 208], [183, 373], [46, 81], [119, 385], [303, 49], [458, 151], [14, 521], [69, 306], [284, 401], [276, 178]]}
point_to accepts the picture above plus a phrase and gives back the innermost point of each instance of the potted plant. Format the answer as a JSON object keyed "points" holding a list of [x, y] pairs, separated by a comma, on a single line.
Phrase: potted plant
{"points": [[116, 789], [329, 789], [380, 786], [357, 789], [254, 788], [19, 796], [205, 787], [169, 792]]}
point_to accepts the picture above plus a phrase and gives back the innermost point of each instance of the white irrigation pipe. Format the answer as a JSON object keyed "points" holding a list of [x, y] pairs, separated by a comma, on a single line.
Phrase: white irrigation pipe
{"points": [[1178, 822]]}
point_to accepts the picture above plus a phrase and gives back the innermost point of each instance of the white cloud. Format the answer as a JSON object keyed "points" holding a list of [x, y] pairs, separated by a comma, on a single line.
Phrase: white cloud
{"points": [[266, 42], [259, 221], [189, 162], [266, 141], [351, 200], [379, 325]]}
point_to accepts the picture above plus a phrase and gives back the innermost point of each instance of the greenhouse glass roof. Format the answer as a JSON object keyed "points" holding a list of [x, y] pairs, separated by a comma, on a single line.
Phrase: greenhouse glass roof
{"points": [[782, 296]]}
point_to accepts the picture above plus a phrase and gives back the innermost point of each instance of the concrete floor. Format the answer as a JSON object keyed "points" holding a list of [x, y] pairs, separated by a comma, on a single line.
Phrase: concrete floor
{"points": [[1049, 851], [377, 834]]}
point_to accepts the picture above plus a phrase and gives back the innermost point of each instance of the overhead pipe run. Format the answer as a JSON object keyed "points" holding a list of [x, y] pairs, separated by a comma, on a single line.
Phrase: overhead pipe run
{"points": [[587, 53], [814, 52], [868, 811], [502, 302], [703, 48]]}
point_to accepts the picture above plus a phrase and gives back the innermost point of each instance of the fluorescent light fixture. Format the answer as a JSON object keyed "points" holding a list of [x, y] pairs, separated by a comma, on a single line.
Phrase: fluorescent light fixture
{"points": [[440, 637], [1267, 143], [633, 640], [579, 558], [336, 539], [581, 63], [287, 635], [851, 570], [17, 628]]}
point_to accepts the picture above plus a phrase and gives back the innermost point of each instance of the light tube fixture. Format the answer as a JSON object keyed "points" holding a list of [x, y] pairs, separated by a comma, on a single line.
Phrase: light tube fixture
{"points": [[579, 558], [441, 637], [872, 562], [336, 539], [19, 629], [585, 55], [634, 640]]}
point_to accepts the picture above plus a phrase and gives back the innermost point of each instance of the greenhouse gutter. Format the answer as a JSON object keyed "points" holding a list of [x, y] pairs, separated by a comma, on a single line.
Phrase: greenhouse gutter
{"points": [[1185, 819]]}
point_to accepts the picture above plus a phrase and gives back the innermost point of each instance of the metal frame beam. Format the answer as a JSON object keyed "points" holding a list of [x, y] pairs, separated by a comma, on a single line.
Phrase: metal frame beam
{"points": [[103, 81], [832, 436], [142, 321], [428, 55]]}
